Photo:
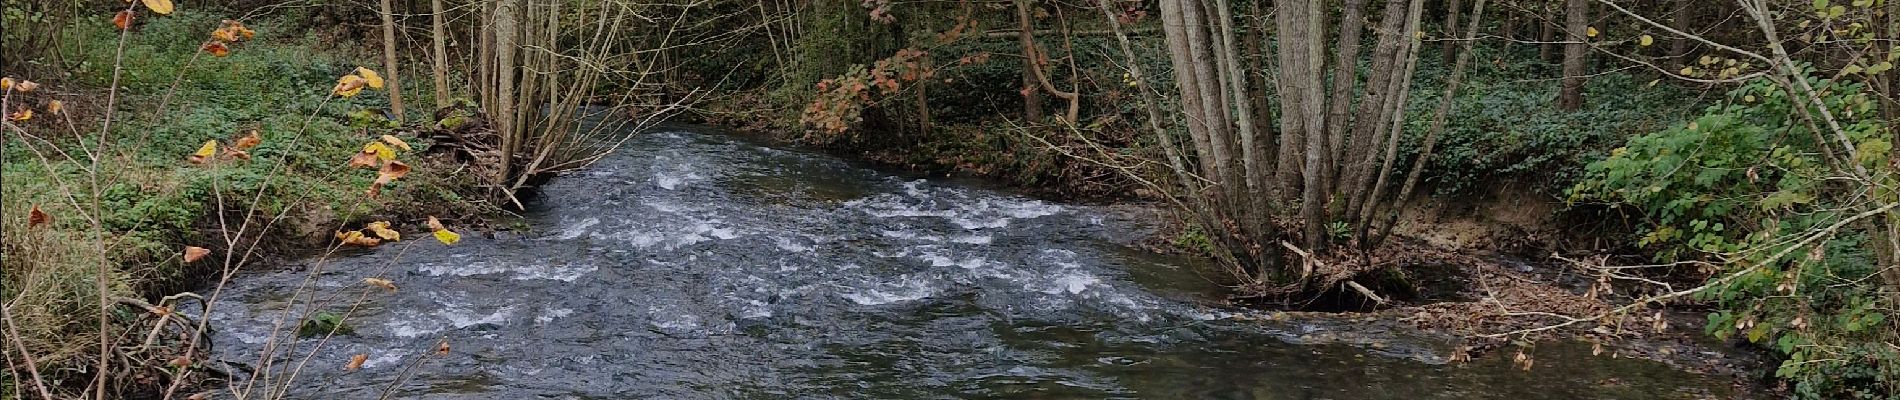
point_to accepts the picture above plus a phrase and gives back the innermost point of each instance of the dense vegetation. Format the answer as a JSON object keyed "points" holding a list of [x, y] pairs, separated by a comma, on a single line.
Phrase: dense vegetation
{"points": [[1732, 155]]}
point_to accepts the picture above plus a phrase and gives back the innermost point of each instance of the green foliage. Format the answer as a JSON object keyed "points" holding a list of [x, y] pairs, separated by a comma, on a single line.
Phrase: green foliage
{"points": [[1738, 186], [324, 323]]}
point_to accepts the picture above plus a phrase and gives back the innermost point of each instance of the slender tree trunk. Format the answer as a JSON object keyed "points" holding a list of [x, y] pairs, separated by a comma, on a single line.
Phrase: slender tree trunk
{"points": [[1547, 34], [1395, 108], [1253, 218], [1452, 7], [1439, 119], [438, 37], [1035, 65], [507, 30], [1576, 50], [1301, 57], [1032, 96], [1345, 83], [1186, 81], [1682, 19], [392, 77], [1376, 108]]}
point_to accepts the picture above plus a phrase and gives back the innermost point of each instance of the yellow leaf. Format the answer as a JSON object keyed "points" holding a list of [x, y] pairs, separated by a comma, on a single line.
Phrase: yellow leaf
{"points": [[447, 237], [162, 7], [392, 140], [349, 85], [380, 282], [1688, 71], [357, 238], [382, 152], [6, 83], [374, 80], [21, 115], [1646, 40], [381, 229], [1590, 31], [204, 153]]}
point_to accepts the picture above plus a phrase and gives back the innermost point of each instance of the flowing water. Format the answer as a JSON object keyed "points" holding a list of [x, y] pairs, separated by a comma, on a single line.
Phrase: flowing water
{"points": [[694, 265]]}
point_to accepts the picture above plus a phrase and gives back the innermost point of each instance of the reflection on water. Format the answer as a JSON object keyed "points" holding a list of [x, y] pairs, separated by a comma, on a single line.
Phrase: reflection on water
{"points": [[693, 265]]}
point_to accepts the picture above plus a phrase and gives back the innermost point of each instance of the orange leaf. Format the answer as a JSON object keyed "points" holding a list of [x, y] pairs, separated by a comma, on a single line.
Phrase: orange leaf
{"points": [[234, 153], [249, 140], [38, 218], [357, 238], [375, 188], [122, 20], [225, 34], [363, 160], [356, 362], [442, 347], [381, 229], [216, 48], [21, 115], [391, 171], [435, 224], [180, 362], [55, 106], [195, 253], [381, 283]]}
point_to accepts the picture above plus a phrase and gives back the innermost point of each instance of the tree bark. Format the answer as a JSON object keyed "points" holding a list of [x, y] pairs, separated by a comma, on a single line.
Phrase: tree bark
{"points": [[1345, 82], [1376, 109], [438, 37], [391, 76], [1186, 81], [1451, 29], [1439, 120], [1036, 72], [1576, 50], [1303, 104]]}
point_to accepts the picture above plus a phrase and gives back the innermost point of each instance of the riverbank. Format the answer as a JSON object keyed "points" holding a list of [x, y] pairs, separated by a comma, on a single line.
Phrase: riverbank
{"points": [[159, 214]]}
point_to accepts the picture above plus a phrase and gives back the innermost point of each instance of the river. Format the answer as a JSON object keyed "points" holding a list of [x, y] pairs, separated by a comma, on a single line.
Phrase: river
{"points": [[695, 265]]}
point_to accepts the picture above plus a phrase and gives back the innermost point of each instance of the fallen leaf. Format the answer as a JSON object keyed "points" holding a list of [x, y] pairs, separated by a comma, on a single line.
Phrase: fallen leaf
{"points": [[382, 152], [392, 140], [55, 106], [180, 361], [443, 347], [21, 115], [234, 153], [40, 218], [26, 86], [122, 20], [249, 140], [225, 34], [6, 83], [374, 80], [216, 48], [356, 362], [199, 396], [1646, 40], [381, 229], [357, 238], [435, 224], [204, 153], [162, 7], [391, 171], [195, 253], [447, 237], [380, 282], [363, 160], [349, 85]]}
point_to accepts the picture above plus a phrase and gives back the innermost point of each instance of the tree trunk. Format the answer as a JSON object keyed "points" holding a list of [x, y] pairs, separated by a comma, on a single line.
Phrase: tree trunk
{"points": [[1376, 109], [1576, 48], [1547, 35], [1439, 119], [506, 32], [438, 37], [1345, 82], [1186, 81], [1451, 29], [1395, 108], [1035, 67], [391, 76], [1303, 103], [1682, 21]]}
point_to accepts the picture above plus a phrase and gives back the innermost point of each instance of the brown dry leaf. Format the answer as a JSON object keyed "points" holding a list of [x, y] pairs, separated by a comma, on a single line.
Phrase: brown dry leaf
{"points": [[381, 283], [25, 86], [199, 396], [39, 218], [204, 153], [381, 229], [363, 160], [180, 361], [435, 224], [123, 20], [375, 189], [356, 362], [391, 171], [392, 140], [195, 253], [250, 139], [443, 347], [357, 238], [55, 107], [233, 153], [162, 7], [162, 310]]}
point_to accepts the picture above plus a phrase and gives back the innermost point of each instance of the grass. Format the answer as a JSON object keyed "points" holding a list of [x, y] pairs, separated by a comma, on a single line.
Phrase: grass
{"points": [[122, 211]]}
